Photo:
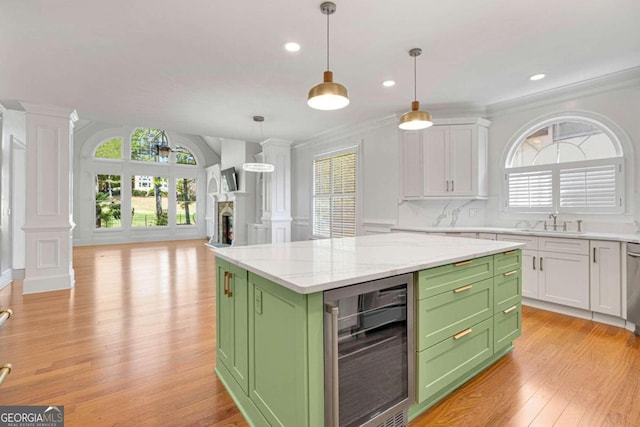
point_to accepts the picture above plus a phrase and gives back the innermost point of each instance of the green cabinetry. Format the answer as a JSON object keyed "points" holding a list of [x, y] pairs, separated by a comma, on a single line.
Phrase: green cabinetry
{"points": [[231, 321], [468, 313], [270, 349]]}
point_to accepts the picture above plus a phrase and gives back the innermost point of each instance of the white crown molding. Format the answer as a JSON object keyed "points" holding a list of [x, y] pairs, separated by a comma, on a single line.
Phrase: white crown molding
{"points": [[346, 131], [276, 142], [608, 82], [51, 110], [444, 111]]}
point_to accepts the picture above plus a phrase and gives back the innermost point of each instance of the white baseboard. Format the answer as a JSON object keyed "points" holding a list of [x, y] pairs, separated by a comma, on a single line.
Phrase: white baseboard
{"points": [[576, 312], [5, 278], [47, 283]]}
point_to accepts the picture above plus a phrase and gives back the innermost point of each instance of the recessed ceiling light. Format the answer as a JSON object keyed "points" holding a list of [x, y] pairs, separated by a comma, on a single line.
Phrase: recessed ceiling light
{"points": [[292, 47], [388, 83], [537, 77]]}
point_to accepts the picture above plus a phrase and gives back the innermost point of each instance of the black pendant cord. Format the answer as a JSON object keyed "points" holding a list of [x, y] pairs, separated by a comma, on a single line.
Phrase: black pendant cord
{"points": [[415, 79], [328, 42]]}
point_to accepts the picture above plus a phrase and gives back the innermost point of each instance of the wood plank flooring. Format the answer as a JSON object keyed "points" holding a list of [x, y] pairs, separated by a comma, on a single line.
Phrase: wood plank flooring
{"points": [[133, 344]]}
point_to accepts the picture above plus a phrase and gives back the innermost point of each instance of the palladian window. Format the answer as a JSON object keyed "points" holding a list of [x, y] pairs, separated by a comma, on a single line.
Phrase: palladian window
{"points": [[565, 165]]}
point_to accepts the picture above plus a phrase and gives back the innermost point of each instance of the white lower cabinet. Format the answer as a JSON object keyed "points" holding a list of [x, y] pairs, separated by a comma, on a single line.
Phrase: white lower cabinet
{"points": [[606, 283], [554, 269], [564, 279], [574, 272]]}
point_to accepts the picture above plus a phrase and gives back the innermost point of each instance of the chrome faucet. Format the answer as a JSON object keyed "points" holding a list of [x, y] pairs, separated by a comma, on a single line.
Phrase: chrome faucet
{"points": [[554, 215]]}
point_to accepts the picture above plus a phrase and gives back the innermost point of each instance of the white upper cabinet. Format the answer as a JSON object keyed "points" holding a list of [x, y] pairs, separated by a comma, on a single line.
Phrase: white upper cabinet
{"points": [[446, 160]]}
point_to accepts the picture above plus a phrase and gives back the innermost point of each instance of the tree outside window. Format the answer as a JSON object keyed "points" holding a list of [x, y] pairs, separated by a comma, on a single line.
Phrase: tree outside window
{"points": [[185, 201], [108, 201]]}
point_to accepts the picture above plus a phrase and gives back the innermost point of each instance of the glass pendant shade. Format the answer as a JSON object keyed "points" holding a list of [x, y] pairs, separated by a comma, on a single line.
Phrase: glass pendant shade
{"points": [[328, 95], [415, 119]]}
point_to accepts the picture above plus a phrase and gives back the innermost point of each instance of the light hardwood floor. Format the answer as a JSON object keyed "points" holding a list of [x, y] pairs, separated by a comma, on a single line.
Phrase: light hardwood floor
{"points": [[134, 345]]}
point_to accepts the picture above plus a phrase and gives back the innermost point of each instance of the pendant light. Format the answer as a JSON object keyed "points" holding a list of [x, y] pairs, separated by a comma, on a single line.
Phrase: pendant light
{"points": [[258, 167], [415, 119], [328, 95]]}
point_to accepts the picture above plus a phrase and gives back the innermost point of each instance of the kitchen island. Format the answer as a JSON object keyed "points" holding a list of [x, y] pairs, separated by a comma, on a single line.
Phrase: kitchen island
{"points": [[269, 311]]}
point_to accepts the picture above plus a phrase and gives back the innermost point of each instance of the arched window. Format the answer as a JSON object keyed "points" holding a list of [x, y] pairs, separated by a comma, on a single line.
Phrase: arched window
{"points": [[110, 149], [163, 192], [144, 145], [566, 164]]}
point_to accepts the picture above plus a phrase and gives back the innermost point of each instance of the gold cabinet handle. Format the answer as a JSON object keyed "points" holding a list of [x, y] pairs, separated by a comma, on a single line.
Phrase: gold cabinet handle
{"points": [[4, 371], [458, 264], [5, 315], [226, 283], [463, 333], [510, 252], [463, 288], [510, 309], [229, 293], [509, 273]]}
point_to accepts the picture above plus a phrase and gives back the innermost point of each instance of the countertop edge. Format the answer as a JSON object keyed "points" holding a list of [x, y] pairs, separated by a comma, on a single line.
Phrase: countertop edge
{"points": [[362, 278]]}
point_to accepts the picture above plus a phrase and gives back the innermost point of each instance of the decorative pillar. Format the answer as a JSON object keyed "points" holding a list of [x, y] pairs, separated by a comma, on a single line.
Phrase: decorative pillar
{"points": [[48, 223], [276, 211]]}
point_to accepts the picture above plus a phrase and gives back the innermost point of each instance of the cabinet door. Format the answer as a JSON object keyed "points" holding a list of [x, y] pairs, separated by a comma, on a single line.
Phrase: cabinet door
{"points": [[411, 166], [564, 279], [231, 322], [238, 296], [463, 162], [278, 353], [530, 274], [606, 285], [224, 317], [435, 151]]}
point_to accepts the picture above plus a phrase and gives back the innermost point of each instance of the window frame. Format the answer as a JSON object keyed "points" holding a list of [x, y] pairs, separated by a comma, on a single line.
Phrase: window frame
{"points": [[555, 168], [330, 155]]}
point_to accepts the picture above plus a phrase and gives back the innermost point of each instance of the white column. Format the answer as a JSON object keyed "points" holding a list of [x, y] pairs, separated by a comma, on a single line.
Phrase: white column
{"points": [[48, 223], [277, 198]]}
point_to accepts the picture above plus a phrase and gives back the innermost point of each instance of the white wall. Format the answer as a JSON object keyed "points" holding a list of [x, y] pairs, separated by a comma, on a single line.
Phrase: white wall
{"points": [[615, 100], [377, 175], [616, 106]]}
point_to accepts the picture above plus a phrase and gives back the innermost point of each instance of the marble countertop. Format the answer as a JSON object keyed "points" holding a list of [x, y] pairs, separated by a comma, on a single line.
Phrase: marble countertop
{"points": [[318, 265], [620, 237]]}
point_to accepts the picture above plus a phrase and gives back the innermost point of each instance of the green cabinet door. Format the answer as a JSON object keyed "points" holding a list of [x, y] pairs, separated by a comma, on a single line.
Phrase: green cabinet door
{"points": [[231, 322], [508, 289], [507, 325], [285, 354], [443, 315]]}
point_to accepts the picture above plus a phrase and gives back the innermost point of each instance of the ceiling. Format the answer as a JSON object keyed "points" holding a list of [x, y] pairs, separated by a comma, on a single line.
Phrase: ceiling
{"points": [[206, 67]]}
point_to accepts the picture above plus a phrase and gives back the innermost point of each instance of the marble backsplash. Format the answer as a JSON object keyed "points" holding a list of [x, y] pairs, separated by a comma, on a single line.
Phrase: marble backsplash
{"points": [[469, 213]]}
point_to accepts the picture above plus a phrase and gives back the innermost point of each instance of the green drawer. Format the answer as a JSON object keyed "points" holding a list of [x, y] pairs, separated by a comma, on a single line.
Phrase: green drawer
{"points": [[507, 325], [507, 289], [445, 278], [446, 314], [507, 261], [443, 363]]}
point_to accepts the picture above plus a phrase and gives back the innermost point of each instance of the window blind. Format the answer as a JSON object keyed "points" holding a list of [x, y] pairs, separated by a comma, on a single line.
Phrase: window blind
{"points": [[334, 196], [588, 187], [530, 189]]}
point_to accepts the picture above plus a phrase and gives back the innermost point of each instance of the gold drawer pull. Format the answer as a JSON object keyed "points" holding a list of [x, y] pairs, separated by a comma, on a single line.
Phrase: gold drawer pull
{"points": [[458, 264], [509, 273], [463, 288], [509, 310], [461, 334], [510, 252]]}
